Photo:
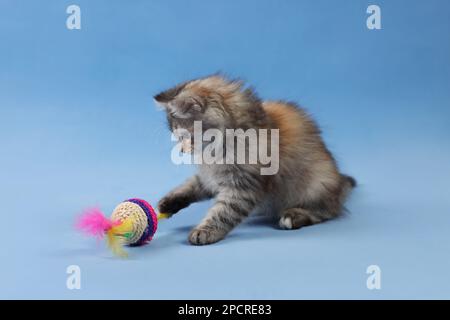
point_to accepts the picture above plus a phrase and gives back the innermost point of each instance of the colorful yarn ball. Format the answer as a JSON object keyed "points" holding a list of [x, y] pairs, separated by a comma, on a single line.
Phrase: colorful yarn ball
{"points": [[133, 223], [144, 217]]}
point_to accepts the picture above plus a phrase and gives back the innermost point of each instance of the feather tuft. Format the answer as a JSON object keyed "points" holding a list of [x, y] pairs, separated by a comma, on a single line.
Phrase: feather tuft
{"points": [[117, 236], [94, 223]]}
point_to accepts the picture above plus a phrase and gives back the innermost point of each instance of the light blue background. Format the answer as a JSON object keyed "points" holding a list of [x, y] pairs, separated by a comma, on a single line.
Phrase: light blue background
{"points": [[79, 128]]}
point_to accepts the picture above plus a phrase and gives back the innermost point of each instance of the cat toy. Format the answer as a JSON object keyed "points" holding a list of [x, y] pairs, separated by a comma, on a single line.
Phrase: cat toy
{"points": [[133, 222]]}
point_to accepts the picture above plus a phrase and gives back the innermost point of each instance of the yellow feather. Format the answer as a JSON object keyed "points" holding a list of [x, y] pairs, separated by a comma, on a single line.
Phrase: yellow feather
{"points": [[163, 216], [117, 235], [125, 227]]}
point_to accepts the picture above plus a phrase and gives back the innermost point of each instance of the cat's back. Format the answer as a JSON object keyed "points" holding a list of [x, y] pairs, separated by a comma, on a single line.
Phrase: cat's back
{"points": [[302, 152], [296, 127]]}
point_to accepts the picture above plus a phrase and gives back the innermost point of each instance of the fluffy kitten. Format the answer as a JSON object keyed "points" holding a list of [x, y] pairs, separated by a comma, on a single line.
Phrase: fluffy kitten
{"points": [[307, 189]]}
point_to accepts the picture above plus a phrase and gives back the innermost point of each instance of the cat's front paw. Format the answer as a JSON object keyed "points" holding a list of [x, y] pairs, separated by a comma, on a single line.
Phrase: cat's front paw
{"points": [[171, 204], [201, 236]]}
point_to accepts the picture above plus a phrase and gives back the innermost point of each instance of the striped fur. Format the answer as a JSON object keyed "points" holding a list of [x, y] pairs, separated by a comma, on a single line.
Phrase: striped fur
{"points": [[307, 189]]}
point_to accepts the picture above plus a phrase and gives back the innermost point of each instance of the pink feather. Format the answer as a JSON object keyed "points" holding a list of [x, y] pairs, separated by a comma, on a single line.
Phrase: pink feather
{"points": [[94, 223]]}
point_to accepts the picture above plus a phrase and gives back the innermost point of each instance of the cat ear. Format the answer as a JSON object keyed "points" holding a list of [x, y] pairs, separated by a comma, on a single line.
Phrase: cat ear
{"points": [[168, 95], [160, 105], [162, 100], [171, 101]]}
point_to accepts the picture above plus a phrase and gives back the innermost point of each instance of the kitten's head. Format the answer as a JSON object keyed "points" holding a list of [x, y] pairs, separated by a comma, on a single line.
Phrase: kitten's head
{"points": [[215, 101]]}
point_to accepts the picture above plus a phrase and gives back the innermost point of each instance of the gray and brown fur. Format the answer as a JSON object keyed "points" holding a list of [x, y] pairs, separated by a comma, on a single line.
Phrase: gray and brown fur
{"points": [[307, 189]]}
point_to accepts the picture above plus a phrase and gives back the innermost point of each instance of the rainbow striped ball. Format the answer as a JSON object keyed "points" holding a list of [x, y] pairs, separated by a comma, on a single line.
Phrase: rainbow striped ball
{"points": [[144, 217]]}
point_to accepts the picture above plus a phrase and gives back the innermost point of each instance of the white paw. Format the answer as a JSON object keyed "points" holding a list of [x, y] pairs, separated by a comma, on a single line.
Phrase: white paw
{"points": [[285, 223]]}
